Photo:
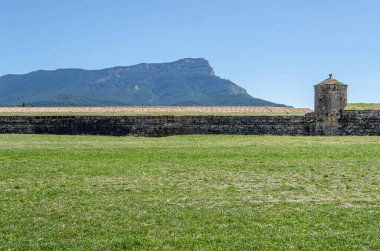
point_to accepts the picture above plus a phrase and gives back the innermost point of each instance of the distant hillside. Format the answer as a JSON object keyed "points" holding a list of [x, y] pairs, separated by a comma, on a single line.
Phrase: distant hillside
{"points": [[187, 82]]}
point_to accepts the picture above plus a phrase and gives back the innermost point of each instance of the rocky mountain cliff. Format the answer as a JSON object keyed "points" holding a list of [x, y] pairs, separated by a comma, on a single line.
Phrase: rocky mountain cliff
{"points": [[186, 82]]}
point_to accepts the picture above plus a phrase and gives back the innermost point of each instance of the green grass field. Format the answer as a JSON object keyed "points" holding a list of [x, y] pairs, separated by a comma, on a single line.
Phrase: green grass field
{"points": [[363, 106], [189, 193]]}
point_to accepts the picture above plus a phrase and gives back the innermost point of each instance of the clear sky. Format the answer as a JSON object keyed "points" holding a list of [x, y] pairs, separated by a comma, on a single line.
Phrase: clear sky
{"points": [[276, 49]]}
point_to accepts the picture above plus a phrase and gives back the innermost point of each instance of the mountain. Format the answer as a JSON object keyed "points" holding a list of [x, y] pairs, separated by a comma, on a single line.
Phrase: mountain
{"points": [[186, 82]]}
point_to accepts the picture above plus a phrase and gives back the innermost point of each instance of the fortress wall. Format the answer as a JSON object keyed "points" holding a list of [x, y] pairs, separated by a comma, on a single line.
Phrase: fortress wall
{"points": [[329, 118], [351, 123], [359, 122], [154, 126]]}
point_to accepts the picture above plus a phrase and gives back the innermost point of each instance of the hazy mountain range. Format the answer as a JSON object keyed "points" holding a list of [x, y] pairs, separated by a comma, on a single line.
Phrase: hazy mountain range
{"points": [[186, 82]]}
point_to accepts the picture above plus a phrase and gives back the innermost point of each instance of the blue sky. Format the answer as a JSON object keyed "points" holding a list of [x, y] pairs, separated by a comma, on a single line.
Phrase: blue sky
{"points": [[275, 49]]}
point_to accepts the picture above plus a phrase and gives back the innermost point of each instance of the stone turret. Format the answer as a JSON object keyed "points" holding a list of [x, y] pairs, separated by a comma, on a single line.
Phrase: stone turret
{"points": [[330, 100], [330, 96]]}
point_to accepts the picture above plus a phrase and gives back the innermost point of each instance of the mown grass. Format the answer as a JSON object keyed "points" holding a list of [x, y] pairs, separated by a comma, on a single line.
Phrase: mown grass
{"points": [[189, 193], [363, 106]]}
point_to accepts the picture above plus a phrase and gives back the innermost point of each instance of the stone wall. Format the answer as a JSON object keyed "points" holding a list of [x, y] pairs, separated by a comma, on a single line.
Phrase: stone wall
{"points": [[155, 126], [350, 123], [360, 122]]}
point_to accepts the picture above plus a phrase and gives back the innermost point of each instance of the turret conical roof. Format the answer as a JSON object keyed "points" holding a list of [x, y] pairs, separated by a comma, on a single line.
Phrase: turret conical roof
{"points": [[330, 81]]}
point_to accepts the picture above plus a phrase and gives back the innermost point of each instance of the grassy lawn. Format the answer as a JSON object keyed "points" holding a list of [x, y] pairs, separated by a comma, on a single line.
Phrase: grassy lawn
{"points": [[189, 193], [363, 106]]}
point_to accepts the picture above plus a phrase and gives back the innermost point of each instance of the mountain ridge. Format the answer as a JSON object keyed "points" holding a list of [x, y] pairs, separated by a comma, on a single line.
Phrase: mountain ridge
{"points": [[188, 81]]}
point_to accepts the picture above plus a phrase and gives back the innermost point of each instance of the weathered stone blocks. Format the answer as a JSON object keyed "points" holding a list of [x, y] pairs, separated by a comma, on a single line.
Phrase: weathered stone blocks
{"points": [[155, 126], [350, 123]]}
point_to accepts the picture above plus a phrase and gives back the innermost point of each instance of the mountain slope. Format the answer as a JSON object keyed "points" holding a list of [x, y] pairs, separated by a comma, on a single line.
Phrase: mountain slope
{"points": [[184, 82]]}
